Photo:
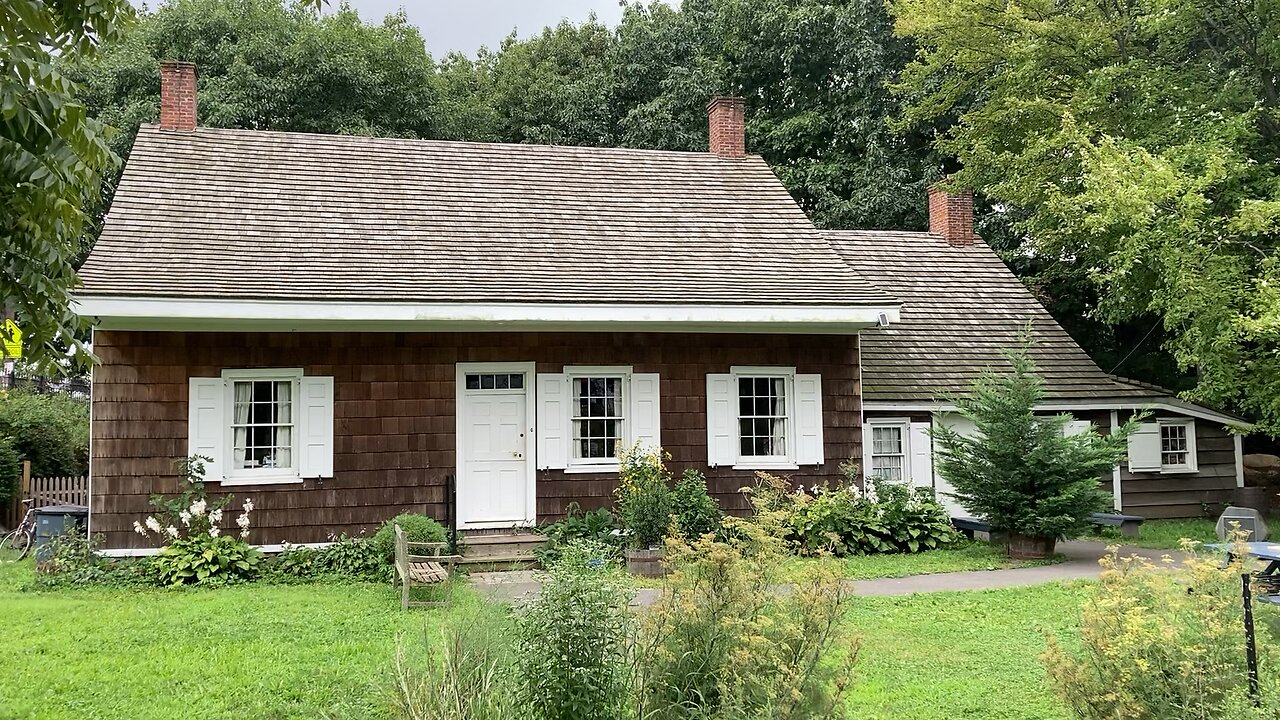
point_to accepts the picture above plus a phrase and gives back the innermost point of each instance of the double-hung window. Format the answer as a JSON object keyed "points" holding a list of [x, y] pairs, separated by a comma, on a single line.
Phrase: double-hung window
{"points": [[587, 416], [262, 426], [1177, 446], [599, 416], [1165, 446], [762, 418], [888, 452]]}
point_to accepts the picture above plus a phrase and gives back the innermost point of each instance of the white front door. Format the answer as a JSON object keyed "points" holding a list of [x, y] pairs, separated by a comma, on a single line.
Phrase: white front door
{"points": [[495, 482]]}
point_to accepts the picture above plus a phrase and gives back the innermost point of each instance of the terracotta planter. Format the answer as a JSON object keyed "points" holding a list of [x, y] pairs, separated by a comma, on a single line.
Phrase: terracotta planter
{"points": [[645, 563], [1031, 547]]}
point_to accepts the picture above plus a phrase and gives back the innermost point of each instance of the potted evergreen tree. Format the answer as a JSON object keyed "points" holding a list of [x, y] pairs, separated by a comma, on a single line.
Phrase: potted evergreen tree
{"points": [[1021, 472], [644, 507]]}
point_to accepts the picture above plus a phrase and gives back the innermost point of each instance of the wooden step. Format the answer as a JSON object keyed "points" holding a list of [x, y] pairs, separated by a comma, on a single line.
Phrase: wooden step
{"points": [[506, 547]]}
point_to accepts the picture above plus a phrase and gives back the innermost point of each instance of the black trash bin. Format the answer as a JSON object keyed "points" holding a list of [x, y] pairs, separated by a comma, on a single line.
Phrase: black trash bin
{"points": [[55, 520]]}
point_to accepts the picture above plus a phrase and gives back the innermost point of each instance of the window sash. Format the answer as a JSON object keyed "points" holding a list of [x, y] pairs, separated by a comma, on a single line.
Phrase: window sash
{"points": [[888, 452], [1175, 446], [598, 417], [764, 421], [274, 452]]}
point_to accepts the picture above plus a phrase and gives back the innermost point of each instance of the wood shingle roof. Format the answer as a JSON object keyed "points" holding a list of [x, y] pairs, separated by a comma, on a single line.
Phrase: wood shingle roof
{"points": [[960, 307], [237, 214]]}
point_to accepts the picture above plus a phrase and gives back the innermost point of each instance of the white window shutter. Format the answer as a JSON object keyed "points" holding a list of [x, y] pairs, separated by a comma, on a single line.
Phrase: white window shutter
{"points": [[809, 420], [1144, 449], [920, 462], [316, 416], [722, 405], [866, 449], [646, 410], [1077, 427], [553, 421], [206, 424]]}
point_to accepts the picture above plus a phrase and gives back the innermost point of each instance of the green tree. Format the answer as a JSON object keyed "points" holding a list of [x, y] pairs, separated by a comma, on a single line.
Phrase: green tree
{"points": [[1021, 472], [1140, 140], [52, 155]]}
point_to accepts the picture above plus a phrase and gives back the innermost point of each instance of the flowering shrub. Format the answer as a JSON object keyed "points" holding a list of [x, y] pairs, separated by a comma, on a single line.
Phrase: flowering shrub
{"points": [[1161, 642], [844, 520], [722, 642], [644, 495], [190, 526]]}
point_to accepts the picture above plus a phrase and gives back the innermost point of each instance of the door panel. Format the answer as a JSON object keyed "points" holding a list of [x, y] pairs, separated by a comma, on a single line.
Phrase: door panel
{"points": [[494, 476]]}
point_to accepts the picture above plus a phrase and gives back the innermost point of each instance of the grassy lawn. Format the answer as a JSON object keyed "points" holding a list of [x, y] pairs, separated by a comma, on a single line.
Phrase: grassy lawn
{"points": [[1168, 534], [316, 651], [963, 558]]}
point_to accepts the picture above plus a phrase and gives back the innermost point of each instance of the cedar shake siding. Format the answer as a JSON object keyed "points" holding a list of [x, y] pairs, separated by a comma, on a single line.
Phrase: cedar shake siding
{"points": [[394, 424]]}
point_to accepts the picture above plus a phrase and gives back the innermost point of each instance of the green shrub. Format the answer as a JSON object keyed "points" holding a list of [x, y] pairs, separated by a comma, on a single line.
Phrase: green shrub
{"points": [[465, 675], [1157, 643], [10, 469], [572, 641], [346, 558], [49, 429], [843, 520], [72, 561], [722, 642], [644, 496], [598, 525], [417, 528], [201, 559], [696, 512], [1020, 472]]}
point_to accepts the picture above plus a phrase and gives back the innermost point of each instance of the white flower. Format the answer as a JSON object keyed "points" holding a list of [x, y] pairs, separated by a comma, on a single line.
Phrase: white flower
{"points": [[198, 507], [137, 527], [173, 531], [153, 524], [248, 506], [185, 517], [814, 489], [215, 516], [245, 533], [243, 522], [215, 531]]}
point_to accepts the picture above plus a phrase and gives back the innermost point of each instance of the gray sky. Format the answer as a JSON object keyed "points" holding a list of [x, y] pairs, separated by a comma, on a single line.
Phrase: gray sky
{"points": [[465, 25]]}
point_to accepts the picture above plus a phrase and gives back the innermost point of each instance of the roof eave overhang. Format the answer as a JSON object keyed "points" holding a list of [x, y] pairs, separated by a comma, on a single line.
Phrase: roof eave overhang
{"points": [[1179, 407], [204, 314]]}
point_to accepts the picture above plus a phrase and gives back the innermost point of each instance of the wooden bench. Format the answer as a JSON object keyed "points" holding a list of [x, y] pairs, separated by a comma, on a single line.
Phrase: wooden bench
{"points": [[976, 529], [1128, 524], [436, 567]]}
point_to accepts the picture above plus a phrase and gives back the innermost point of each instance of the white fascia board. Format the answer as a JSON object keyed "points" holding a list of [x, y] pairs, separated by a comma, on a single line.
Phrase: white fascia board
{"points": [[1060, 406], [122, 313]]}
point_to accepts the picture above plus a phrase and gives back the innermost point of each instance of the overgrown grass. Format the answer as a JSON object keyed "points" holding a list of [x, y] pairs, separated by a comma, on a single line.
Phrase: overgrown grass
{"points": [[968, 557], [325, 651]]}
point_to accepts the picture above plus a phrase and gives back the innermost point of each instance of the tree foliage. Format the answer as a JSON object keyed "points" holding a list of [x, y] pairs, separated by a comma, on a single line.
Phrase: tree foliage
{"points": [[1140, 140], [1021, 472], [52, 154]]}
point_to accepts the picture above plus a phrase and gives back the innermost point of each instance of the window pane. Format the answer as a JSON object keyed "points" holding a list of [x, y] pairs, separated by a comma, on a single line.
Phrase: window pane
{"points": [[597, 423], [261, 424], [517, 381], [473, 382]]}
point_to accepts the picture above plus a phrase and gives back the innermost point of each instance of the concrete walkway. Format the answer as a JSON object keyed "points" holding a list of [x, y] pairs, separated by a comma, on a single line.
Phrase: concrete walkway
{"points": [[1081, 563]]}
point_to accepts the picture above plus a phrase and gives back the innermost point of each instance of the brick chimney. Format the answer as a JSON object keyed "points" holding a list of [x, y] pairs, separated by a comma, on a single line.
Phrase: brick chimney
{"points": [[177, 95], [951, 214], [726, 118]]}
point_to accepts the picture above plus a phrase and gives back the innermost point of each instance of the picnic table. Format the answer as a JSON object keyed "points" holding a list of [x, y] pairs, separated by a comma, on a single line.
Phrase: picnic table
{"points": [[1269, 577]]}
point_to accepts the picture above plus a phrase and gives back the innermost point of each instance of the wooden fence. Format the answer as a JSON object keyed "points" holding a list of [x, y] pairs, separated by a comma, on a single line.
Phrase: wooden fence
{"points": [[45, 491]]}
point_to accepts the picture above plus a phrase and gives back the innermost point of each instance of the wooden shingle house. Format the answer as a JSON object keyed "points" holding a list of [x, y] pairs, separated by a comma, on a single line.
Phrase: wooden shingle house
{"points": [[353, 327]]}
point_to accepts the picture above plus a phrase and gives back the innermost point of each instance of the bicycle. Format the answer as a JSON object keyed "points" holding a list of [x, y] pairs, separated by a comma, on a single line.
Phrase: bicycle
{"points": [[15, 546]]}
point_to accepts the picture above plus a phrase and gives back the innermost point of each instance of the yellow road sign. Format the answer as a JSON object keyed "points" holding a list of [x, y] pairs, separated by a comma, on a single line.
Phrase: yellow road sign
{"points": [[12, 340]]}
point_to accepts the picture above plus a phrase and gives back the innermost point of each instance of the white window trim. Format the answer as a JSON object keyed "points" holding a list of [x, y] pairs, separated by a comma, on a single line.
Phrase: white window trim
{"points": [[597, 465], [760, 462], [260, 476], [1192, 465], [904, 427]]}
